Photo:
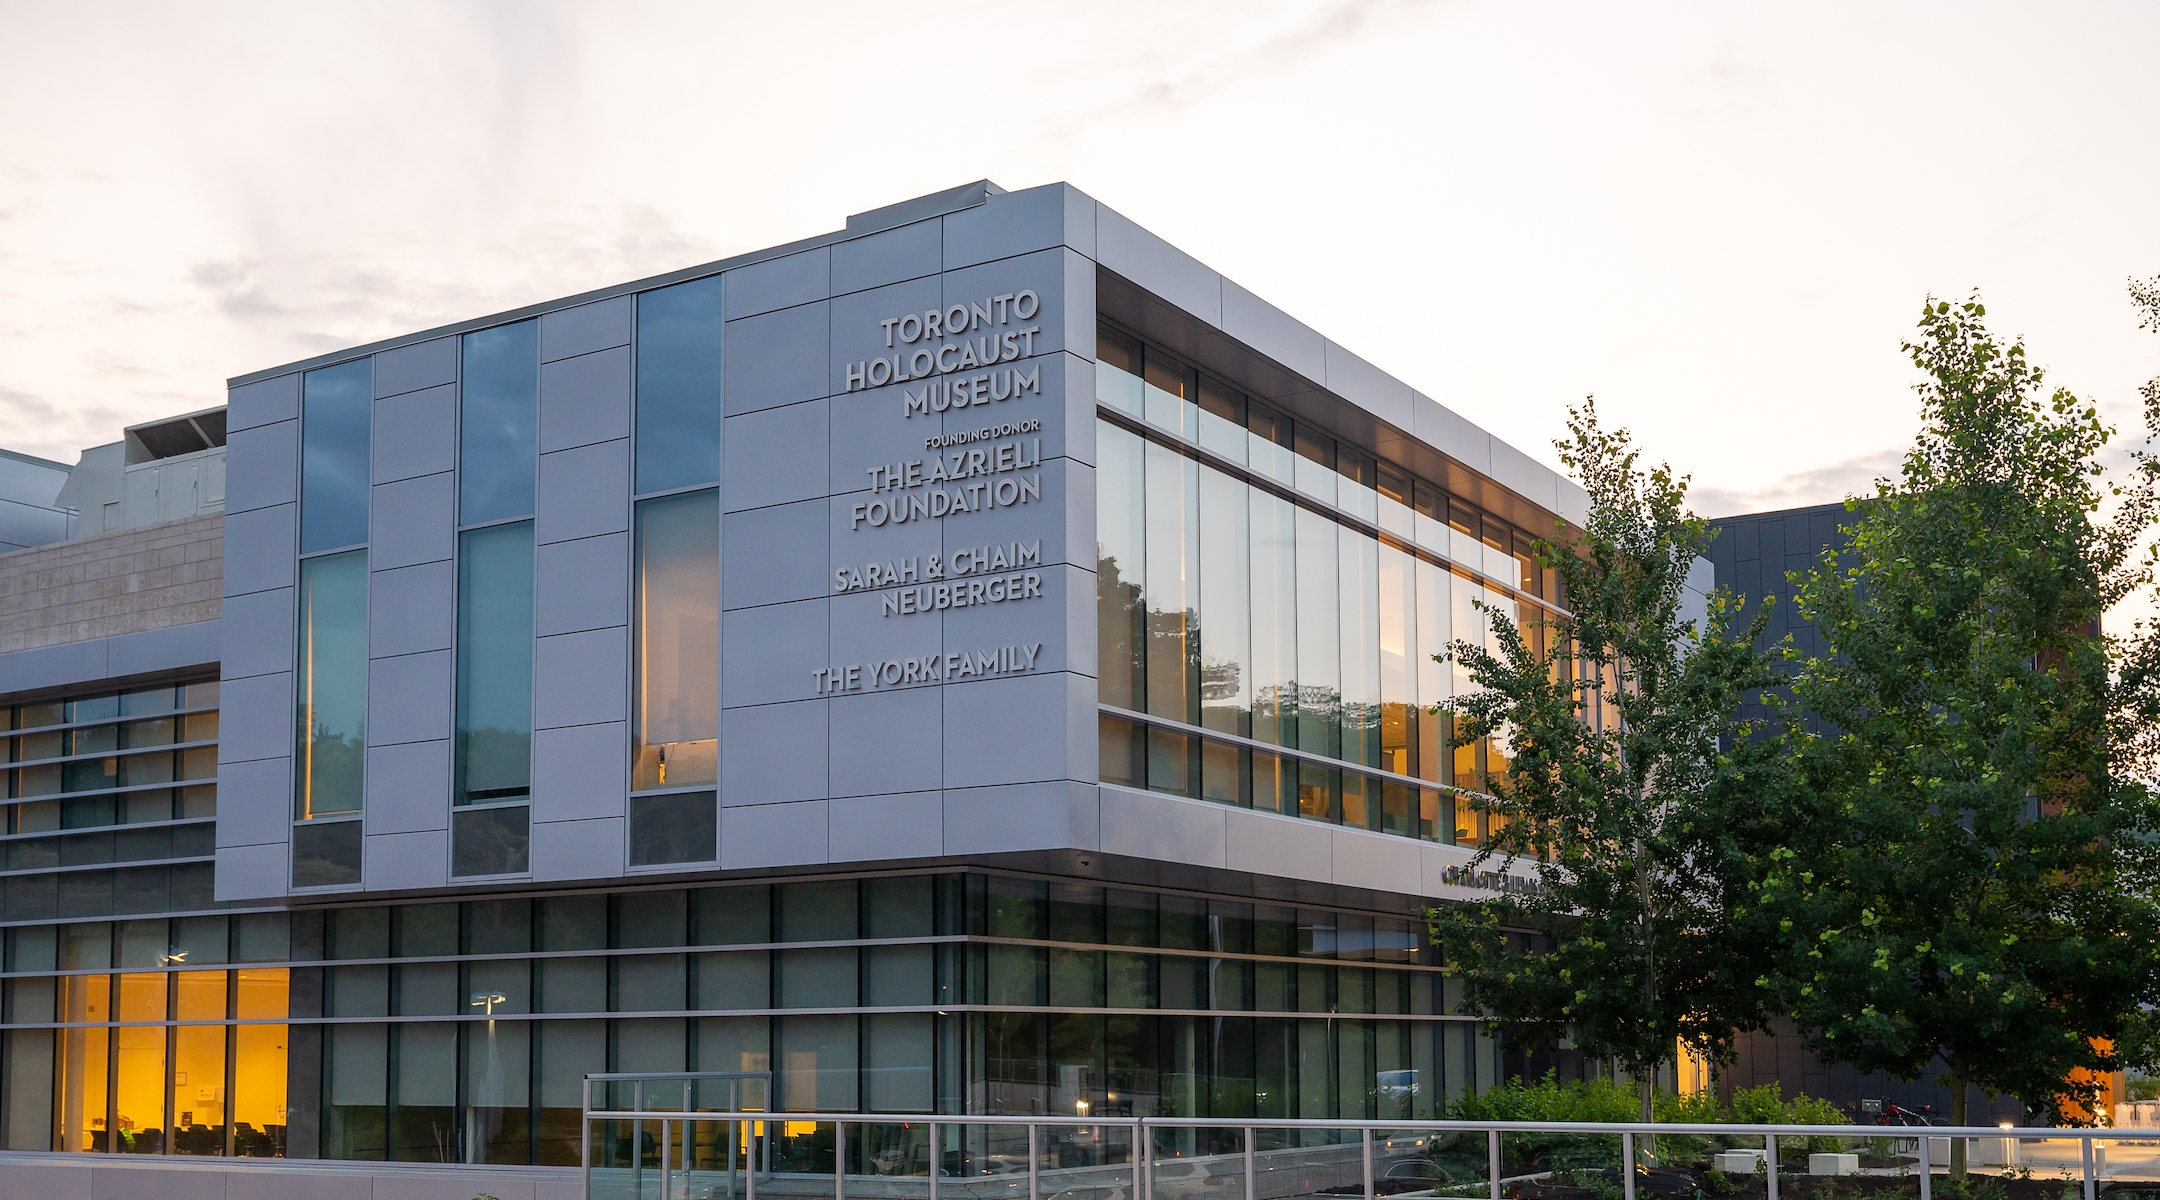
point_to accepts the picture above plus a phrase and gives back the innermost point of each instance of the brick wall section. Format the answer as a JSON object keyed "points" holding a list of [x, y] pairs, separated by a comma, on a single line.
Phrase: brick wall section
{"points": [[150, 577]]}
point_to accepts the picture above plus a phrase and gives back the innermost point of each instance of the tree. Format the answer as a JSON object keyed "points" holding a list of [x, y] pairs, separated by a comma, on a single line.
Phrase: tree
{"points": [[1978, 886], [1633, 792]]}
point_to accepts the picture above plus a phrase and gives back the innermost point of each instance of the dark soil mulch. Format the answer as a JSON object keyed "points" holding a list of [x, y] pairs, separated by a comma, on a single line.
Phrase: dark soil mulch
{"points": [[1679, 1184]]}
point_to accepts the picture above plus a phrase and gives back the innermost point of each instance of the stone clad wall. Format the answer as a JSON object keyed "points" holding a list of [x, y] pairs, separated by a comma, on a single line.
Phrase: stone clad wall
{"points": [[129, 581]]}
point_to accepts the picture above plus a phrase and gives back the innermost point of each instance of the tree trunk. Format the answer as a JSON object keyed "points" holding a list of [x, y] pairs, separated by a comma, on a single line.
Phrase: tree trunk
{"points": [[1647, 1086], [1957, 1118]]}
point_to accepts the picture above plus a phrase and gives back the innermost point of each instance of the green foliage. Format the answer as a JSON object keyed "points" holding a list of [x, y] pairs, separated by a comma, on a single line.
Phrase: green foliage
{"points": [[1718, 1183], [1976, 884], [1631, 791]]}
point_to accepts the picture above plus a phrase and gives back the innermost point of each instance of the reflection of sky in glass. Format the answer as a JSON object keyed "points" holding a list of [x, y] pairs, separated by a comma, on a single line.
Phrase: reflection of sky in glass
{"points": [[334, 456], [678, 386], [495, 646], [499, 397]]}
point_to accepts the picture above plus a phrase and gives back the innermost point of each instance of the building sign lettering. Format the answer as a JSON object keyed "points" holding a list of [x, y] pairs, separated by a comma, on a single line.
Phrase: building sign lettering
{"points": [[927, 668], [945, 341], [924, 499]]}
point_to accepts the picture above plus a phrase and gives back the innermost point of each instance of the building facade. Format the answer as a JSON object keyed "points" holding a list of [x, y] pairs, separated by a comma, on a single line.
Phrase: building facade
{"points": [[976, 661]]}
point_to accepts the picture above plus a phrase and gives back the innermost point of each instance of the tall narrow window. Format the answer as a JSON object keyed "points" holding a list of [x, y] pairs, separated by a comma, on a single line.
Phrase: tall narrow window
{"points": [[1319, 653], [1274, 618], [1120, 567], [498, 411], [1173, 585], [678, 386], [676, 740], [332, 689], [334, 414], [1225, 605], [494, 699]]}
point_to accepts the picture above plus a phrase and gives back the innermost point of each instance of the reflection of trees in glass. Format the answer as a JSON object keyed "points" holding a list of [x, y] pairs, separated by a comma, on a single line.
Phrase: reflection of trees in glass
{"points": [[333, 770], [497, 763]]}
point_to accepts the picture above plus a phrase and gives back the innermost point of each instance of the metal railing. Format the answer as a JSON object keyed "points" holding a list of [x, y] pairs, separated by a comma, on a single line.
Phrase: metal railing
{"points": [[696, 1155]]}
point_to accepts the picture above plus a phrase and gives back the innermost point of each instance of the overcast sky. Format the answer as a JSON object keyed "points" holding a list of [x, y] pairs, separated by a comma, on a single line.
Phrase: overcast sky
{"points": [[1720, 218]]}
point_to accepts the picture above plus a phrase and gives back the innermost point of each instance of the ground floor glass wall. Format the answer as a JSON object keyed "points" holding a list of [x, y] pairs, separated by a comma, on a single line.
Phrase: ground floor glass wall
{"points": [[463, 1031]]}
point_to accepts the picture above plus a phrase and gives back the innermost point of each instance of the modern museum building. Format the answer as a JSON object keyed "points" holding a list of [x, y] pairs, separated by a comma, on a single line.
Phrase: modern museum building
{"points": [[979, 661]]}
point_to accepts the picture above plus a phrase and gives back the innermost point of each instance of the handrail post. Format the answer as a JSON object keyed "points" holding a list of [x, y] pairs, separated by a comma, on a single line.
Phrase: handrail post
{"points": [[1034, 1162], [665, 1179], [1927, 1169], [749, 1158], [1770, 1165], [1144, 1159], [1252, 1183], [1492, 1159], [933, 1160], [585, 1136], [839, 1160], [1366, 1154], [2089, 1180], [1627, 1166]]}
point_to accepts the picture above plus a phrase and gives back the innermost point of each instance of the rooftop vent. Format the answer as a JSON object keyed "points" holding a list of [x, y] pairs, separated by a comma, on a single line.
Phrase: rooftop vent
{"points": [[171, 437]]}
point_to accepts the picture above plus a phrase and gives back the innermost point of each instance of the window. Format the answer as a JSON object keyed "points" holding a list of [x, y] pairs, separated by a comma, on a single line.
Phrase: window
{"points": [[494, 700], [498, 414], [332, 685], [678, 386], [675, 741], [334, 421]]}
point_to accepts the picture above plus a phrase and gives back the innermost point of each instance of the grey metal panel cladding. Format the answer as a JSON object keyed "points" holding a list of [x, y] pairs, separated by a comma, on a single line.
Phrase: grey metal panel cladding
{"points": [[1061, 278], [400, 861], [580, 771], [262, 466], [1286, 339], [906, 252], [1451, 433], [259, 549], [773, 753], [778, 283], [198, 644], [1012, 730], [408, 787], [410, 368], [585, 399], [775, 358], [1368, 387], [567, 850], [581, 679], [582, 584], [886, 742], [763, 651], [1525, 476], [255, 718], [775, 456], [588, 327], [262, 402], [52, 666], [584, 492], [857, 330], [776, 835], [773, 555], [409, 698], [255, 802], [1018, 222], [411, 609], [411, 521], [414, 434], [263, 633], [885, 828], [1158, 266], [250, 873]]}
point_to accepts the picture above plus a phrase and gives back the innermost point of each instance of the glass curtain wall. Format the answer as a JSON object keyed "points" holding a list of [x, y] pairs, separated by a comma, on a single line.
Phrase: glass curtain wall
{"points": [[336, 416], [334, 429], [494, 700], [1226, 606], [153, 1055], [678, 386], [331, 695], [499, 402], [460, 1031], [676, 718]]}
